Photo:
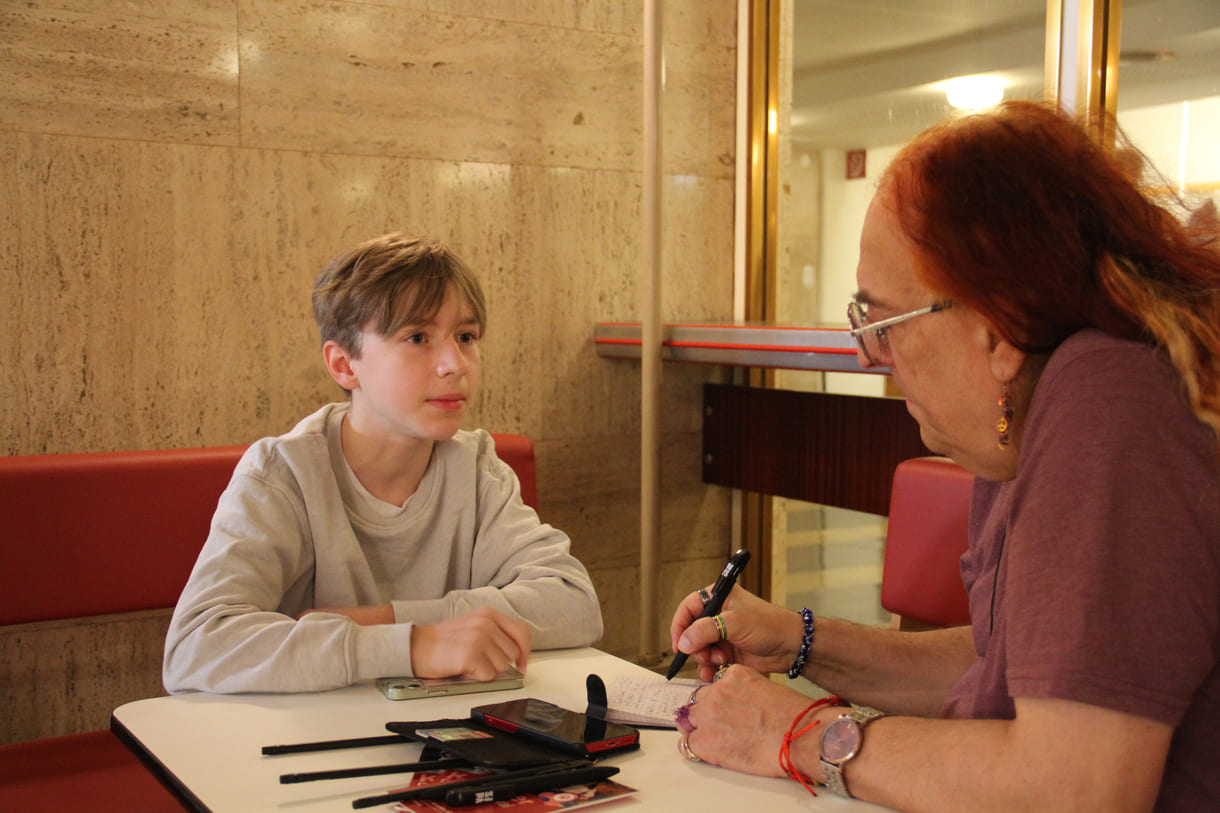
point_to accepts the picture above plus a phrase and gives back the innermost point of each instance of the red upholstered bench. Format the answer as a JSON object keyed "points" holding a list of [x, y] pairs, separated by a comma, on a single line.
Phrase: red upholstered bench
{"points": [[518, 452], [921, 582], [102, 533], [90, 771]]}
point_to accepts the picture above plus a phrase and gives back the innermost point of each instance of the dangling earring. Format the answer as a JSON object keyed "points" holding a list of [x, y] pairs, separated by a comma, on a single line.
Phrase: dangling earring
{"points": [[1005, 422]]}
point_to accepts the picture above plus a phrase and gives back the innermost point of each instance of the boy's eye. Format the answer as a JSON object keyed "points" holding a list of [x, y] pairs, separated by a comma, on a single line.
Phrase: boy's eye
{"points": [[415, 338], [468, 336]]}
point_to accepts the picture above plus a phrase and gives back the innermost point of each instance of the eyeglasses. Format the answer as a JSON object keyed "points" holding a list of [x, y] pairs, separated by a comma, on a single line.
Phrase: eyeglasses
{"points": [[871, 335]]}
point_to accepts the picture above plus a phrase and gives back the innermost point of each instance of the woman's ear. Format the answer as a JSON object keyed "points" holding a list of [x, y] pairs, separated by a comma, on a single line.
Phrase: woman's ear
{"points": [[339, 365], [1005, 359]]}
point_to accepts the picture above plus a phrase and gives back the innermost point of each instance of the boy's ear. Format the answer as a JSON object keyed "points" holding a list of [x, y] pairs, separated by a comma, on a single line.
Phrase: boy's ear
{"points": [[339, 365]]}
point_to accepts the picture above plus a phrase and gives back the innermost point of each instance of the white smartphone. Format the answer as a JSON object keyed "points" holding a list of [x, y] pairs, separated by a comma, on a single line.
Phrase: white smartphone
{"points": [[410, 688]]}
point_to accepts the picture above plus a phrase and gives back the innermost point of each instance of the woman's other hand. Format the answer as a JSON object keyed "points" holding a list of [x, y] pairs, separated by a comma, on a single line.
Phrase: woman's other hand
{"points": [[740, 721], [760, 635]]}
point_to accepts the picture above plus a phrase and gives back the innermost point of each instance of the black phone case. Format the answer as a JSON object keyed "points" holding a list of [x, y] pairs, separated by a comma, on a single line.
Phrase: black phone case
{"points": [[478, 743], [598, 741]]}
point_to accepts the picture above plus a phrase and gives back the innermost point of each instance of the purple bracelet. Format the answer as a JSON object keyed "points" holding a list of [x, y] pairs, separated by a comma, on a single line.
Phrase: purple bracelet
{"points": [[806, 644]]}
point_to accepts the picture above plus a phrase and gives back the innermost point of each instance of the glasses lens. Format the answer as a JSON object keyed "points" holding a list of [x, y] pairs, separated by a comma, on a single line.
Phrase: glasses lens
{"points": [[858, 318], [855, 315]]}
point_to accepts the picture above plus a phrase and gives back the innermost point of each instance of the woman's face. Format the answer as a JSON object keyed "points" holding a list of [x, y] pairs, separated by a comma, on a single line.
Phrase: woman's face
{"points": [[942, 360]]}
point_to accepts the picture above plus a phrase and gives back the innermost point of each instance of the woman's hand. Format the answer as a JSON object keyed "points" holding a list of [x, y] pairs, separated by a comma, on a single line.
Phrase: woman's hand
{"points": [[740, 721], [478, 645], [760, 635]]}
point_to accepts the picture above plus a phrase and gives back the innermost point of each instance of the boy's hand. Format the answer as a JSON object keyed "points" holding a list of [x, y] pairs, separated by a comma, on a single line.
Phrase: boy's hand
{"points": [[478, 645]]}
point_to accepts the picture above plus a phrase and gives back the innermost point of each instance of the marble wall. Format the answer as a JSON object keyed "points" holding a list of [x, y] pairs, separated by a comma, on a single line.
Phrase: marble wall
{"points": [[173, 174]]}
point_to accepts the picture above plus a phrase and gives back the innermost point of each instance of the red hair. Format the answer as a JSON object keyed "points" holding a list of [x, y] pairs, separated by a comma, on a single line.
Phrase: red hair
{"points": [[1019, 214]]}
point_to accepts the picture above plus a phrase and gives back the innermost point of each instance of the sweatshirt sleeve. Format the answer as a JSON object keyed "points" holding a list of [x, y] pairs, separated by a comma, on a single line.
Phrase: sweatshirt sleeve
{"points": [[520, 566], [234, 628]]}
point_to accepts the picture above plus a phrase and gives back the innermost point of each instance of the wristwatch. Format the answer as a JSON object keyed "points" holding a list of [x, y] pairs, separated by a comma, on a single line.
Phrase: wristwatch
{"points": [[841, 743]]}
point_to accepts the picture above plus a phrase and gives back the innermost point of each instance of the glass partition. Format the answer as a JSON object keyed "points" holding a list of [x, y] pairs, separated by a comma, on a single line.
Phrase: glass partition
{"points": [[852, 83], [857, 80], [1169, 95]]}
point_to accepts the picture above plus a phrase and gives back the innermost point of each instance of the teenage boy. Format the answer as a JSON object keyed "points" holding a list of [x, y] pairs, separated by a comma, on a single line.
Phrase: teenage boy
{"points": [[378, 538]]}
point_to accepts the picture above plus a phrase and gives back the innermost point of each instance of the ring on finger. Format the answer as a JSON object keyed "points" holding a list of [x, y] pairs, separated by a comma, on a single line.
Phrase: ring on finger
{"points": [[718, 620], [684, 747], [682, 719], [691, 701], [704, 595], [720, 672]]}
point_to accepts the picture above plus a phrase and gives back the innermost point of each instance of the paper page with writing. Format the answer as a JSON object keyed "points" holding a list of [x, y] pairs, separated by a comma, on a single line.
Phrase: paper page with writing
{"points": [[648, 702]]}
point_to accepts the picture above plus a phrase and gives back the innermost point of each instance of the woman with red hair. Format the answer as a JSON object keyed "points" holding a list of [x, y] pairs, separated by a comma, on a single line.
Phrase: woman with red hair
{"points": [[1055, 332]]}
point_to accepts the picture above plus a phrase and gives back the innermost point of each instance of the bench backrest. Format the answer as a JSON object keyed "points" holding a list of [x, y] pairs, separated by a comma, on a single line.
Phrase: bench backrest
{"points": [[928, 525], [112, 532]]}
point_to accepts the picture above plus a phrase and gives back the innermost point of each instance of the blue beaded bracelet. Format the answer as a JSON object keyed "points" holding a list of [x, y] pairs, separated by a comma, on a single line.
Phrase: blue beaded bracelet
{"points": [[806, 645]]}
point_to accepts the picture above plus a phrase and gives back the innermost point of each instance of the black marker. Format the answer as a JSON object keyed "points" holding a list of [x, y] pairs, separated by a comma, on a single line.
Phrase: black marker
{"points": [[728, 577], [328, 745], [373, 770]]}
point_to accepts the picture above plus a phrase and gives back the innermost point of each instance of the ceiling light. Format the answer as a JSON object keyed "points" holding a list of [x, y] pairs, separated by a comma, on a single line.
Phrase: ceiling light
{"points": [[974, 92]]}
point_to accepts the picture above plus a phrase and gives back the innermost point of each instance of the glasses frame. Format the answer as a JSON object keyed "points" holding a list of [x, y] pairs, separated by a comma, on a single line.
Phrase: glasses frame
{"points": [[857, 316]]}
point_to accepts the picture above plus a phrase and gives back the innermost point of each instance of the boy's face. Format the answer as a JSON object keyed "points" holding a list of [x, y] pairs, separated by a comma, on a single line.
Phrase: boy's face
{"points": [[418, 382]]}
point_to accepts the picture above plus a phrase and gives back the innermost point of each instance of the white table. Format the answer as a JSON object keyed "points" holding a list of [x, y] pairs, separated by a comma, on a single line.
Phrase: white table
{"points": [[210, 747]]}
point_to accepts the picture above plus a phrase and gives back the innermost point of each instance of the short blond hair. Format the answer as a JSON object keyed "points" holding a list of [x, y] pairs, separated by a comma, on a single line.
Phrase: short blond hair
{"points": [[388, 282]]}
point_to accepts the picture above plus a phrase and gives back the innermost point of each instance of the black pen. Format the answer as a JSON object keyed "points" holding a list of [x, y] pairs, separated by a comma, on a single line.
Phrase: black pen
{"points": [[328, 745], [502, 791], [372, 770], [720, 591]]}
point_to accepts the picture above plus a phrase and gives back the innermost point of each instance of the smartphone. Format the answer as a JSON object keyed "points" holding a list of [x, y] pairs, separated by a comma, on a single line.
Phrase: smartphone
{"points": [[409, 688], [569, 731]]}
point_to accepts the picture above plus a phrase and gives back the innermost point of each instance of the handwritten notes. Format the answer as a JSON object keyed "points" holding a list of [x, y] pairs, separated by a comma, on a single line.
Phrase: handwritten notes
{"points": [[648, 702]]}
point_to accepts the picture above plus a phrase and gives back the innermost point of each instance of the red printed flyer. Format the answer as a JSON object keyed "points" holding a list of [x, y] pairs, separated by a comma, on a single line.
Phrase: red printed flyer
{"points": [[569, 798]]}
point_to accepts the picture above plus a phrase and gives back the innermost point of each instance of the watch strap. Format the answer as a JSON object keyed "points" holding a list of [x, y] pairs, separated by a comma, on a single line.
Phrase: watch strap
{"points": [[834, 779]]}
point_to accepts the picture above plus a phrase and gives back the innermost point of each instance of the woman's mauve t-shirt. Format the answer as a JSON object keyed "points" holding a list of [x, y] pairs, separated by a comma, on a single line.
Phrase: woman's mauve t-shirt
{"points": [[1094, 575]]}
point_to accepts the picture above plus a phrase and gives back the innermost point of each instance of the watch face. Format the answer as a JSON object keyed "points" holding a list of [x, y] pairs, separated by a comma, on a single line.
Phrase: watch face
{"points": [[840, 740]]}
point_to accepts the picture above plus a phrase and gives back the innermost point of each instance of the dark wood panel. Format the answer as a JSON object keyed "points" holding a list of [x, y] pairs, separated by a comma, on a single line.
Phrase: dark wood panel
{"points": [[832, 449]]}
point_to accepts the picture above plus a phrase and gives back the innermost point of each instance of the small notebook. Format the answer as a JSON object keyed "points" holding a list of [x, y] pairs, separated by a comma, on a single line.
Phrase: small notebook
{"points": [[648, 701]]}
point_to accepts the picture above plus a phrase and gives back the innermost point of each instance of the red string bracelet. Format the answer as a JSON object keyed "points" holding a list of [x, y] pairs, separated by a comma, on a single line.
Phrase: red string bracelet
{"points": [[785, 757]]}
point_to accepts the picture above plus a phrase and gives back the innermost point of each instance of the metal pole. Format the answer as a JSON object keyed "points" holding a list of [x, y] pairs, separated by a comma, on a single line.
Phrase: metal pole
{"points": [[650, 351]]}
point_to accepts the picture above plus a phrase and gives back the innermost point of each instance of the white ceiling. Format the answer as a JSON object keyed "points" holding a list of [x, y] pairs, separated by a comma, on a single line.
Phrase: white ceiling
{"points": [[864, 71]]}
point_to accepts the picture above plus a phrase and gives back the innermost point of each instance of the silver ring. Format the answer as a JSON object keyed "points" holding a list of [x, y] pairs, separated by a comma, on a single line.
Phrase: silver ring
{"points": [[720, 672], [684, 747], [705, 595], [691, 701]]}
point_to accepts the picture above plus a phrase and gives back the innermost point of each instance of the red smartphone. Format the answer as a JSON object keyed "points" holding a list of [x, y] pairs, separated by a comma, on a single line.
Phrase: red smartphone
{"points": [[569, 731]]}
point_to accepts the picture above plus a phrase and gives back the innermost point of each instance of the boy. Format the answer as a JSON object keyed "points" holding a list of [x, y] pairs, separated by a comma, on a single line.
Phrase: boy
{"points": [[376, 538]]}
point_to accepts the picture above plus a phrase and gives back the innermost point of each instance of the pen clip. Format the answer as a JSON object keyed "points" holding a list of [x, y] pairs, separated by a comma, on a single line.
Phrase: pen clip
{"points": [[735, 564]]}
